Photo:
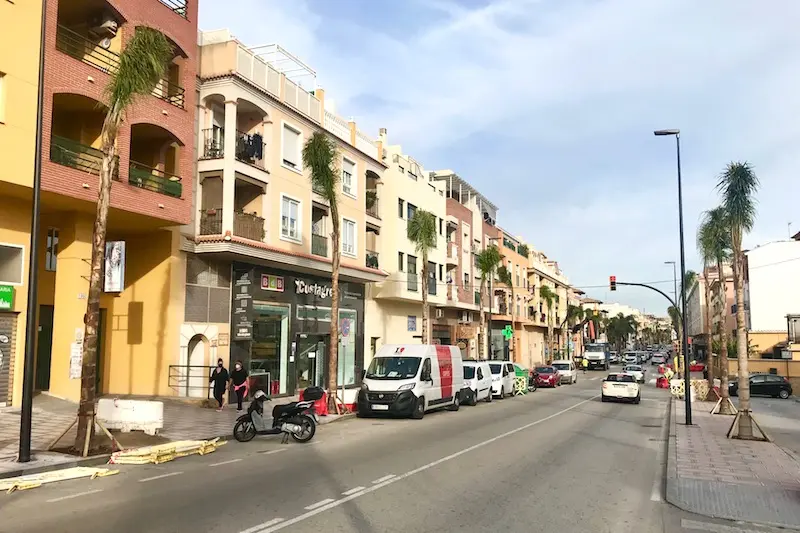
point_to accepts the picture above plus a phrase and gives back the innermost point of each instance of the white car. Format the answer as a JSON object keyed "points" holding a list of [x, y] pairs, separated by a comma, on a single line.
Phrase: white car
{"points": [[631, 358], [503, 376], [658, 359], [567, 371], [621, 386], [636, 371], [477, 382]]}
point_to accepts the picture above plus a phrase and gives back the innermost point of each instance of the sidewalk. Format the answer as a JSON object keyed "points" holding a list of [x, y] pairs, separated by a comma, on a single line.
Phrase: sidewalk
{"points": [[714, 476], [51, 416]]}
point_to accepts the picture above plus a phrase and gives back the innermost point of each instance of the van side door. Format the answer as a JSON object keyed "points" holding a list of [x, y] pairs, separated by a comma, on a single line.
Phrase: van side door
{"points": [[427, 381], [484, 381]]}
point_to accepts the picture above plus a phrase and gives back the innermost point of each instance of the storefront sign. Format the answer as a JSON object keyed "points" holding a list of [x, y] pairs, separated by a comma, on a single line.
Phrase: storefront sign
{"points": [[412, 323], [115, 267], [6, 297], [272, 283], [242, 326], [8, 324], [222, 339], [321, 291], [75, 360]]}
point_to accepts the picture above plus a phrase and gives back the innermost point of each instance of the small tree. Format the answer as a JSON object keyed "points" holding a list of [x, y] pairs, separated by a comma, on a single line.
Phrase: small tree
{"points": [[422, 232], [142, 64], [548, 295], [320, 156], [488, 260]]}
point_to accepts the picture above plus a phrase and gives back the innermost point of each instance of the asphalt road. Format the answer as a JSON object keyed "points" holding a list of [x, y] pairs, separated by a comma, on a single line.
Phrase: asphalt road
{"points": [[780, 419], [555, 461]]}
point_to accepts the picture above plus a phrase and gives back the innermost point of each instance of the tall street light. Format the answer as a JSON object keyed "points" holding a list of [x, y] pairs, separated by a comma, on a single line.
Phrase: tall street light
{"points": [[684, 343]]}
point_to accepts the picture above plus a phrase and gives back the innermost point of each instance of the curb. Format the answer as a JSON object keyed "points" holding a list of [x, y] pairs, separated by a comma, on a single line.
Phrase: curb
{"points": [[95, 460]]}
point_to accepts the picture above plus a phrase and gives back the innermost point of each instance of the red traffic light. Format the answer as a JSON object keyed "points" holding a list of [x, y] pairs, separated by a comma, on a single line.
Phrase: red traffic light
{"points": [[612, 282]]}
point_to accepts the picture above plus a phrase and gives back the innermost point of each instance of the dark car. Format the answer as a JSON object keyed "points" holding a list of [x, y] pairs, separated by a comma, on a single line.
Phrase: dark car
{"points": [[764, 385]]}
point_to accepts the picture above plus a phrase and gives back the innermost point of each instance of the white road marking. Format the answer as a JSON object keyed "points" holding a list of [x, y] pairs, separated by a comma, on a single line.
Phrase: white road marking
{"points": [[353, 491], [162, 476], [319, 504], [259, 527], [714, 528], [593, 379], [266, 528], [382, 479], [75, 495], [225, 462], [270, 452]]}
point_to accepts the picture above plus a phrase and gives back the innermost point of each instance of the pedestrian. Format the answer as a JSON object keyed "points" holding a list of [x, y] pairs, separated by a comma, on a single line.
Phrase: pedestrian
{"points": [[219, 378], [240, 385], [585, 364]]}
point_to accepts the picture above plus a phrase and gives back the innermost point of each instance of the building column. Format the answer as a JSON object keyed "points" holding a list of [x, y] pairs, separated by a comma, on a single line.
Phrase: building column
{"points": [[228, 173]]}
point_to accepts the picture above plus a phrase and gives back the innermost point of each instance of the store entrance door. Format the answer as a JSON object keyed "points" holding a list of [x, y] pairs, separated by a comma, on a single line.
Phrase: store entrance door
{"points": [[310, 360]]}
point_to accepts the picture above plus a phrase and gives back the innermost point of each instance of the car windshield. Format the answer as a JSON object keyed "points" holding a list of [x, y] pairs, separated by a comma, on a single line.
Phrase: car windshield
{"points": [[595, 348], [621, 378], [393, 368], [496, 368], [630, 354], [633, 368], [561, 366], [469, 372], [544, 369]]}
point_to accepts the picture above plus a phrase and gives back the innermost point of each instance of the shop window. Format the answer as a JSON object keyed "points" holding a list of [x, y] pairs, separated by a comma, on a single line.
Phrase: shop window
{"points": [[347, 348], [207, 290], [269, 359], [51, 252], [12, 258]]}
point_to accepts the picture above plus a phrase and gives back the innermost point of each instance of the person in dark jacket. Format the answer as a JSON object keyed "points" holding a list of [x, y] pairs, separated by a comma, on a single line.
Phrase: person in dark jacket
{"points": [[219, 378], [239, 380]]}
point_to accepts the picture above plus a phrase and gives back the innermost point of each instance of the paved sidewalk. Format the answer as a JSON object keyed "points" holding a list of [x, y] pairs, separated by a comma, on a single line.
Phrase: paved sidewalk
{"points": [[712, 475]]}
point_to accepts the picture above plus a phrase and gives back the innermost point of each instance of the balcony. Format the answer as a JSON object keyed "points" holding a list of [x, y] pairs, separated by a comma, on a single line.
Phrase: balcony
{"points": [[170, 92], [413, 283], [372, 204], [76, 45], [245, 225], [250, 149], [319, 245], [153, 179], [372, 259], [178, 6], [213, 143], [72, 154], [211, 222]]}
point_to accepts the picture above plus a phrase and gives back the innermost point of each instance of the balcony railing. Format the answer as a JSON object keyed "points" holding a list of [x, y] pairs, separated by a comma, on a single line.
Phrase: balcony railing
{"points": [[211, 221], [319, 245], [372, 204], [178, 6], [76, 45], [170, 92], [477, 298], [249, 226], [432, 286], [412, 281], [213, 143], [78, 156], [372, 259], [250, 148], [153, 179]]}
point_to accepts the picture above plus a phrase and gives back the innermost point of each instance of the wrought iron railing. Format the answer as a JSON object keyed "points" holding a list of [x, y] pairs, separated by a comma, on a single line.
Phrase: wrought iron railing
{"points": [[78, 46], [190, 381], [178, 6], [213, 143], [372, 204], [250, 148], [170, 92], [153, 179], [211, 221], [372, 259], [78, 156], [319, 245], [249, 226]]}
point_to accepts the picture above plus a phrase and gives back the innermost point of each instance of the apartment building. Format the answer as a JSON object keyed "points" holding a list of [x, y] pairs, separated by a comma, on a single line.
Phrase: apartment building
{"points": [[142, 291], [394, 305], [258, 270], [546, 317]]}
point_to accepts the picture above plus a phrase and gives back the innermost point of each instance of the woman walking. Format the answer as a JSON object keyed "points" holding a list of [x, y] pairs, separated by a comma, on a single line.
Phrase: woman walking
{"points": [[240, 385], [219, 378]]}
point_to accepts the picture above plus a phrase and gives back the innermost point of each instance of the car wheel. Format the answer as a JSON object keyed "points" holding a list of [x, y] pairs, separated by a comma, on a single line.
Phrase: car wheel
{"points": [[637, 399], [455, 405], [490, 396], [419, 409], [784, 394], [502, 393], [474, 397]]}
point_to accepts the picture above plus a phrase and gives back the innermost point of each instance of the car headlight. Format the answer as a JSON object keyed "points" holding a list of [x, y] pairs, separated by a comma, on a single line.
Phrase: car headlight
{"points": [[407, 386]]}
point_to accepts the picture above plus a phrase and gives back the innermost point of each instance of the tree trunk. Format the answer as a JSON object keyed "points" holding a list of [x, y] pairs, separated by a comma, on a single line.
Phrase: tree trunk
{"points": [[723, 342], [86, 407], [550, 354], [707, 318], [333, 349], [511, 341], [425, 306], [745, 422], [482, 326]]}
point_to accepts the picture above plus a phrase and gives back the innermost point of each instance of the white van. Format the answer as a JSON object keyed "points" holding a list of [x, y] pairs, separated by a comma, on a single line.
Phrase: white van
{"points": [[477, 382], [411, 379], [503, 377], [567, 371]]}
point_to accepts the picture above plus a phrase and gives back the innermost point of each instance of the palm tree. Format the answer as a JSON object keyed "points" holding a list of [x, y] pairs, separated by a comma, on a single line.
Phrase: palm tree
{"points": [[738, 185], [142, 64], [619, 330], [488, 260], [422, 232], [320, 156], [548, 295], [575, 315], [504, 277]]}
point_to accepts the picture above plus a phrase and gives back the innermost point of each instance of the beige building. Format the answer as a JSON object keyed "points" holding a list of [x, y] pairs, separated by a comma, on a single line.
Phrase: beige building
{"points": [[545, 272]]}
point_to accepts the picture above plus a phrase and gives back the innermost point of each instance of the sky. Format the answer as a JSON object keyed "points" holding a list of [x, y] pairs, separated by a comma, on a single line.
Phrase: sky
{"points": [[548, 107]]}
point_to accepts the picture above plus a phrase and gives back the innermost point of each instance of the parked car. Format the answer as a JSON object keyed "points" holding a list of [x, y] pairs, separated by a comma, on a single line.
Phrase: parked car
{"points": [[621, 386], [567, 371], [547, 376], [503, 375], [636, 371], [658, 359], [764, 385], [477, 382], [613, 358], [632, 358]]}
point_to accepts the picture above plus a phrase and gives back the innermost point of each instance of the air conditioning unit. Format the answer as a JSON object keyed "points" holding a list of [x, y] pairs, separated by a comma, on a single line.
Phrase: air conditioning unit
{"points": [[103, 25], [440, 313]]}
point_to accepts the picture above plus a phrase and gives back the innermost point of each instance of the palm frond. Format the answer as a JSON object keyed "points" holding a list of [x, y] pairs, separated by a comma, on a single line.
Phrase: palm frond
{"points": [[504, 275], [142, 65], [488, 260], [421, 231], [738, 185], [320, 156]]}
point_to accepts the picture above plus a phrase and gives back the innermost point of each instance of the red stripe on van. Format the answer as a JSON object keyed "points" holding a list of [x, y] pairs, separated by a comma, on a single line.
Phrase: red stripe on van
{"points": [[445, 370]]}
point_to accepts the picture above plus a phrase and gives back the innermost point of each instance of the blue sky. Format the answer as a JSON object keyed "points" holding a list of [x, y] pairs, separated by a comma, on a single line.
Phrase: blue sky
{"points": [[548, 107]]}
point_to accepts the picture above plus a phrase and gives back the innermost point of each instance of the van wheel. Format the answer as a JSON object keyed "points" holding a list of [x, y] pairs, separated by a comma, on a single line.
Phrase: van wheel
{"points": [[474, 397], [489, 397], [502, 393], [419, 409], [455, 405]]}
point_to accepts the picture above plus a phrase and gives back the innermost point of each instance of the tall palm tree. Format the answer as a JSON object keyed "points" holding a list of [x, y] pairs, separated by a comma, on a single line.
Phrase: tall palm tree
{"points": [[488, 260], [548, 295], [142, 65], [504, 276], [320, 156], [738, 185], [422, 232]]}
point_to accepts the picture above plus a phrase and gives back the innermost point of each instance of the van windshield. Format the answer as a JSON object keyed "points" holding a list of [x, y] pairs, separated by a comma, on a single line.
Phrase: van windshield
{"points": [[496, 368], [469, 372], [393, 368], [561, 366]]}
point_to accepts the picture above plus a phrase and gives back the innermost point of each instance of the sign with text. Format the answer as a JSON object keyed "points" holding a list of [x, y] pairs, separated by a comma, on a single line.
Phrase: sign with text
{"points": [[242, 327], [6, 297], [114, 267], [272, 283]]}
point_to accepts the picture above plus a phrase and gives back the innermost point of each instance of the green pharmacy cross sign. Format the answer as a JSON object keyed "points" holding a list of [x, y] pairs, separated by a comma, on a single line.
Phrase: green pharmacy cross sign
{"points": [[6, 298], [508, 333]]}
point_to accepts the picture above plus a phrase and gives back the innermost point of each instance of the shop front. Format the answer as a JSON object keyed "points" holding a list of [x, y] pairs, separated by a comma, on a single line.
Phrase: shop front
{"points": [[280, 328]]}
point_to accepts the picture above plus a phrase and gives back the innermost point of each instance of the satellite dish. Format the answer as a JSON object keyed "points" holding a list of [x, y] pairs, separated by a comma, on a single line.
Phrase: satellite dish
{"points": [[105, 43]]}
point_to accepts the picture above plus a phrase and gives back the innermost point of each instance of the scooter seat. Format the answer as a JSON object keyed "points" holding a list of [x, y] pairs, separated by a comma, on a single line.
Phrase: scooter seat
{"points": [[279, 410]]}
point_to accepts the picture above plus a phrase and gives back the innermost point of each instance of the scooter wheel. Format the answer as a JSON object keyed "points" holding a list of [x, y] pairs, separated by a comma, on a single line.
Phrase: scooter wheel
{"points": [[244, 430], [309, 428]]}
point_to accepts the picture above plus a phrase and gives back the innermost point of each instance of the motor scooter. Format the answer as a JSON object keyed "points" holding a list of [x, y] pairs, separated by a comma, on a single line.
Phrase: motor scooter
{"points": [[532, 381], [295, 419]]}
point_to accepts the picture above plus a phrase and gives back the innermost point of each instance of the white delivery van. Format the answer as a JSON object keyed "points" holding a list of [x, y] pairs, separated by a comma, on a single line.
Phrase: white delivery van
{"points": [[411, 379], [477, 382]]}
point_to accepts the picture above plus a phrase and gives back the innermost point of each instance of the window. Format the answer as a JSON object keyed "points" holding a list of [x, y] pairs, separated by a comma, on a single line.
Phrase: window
{"points": [[411, 210], [11, 262], [52, 250], [348, 177], [411, 276], [402, 170], [207, 290], [290, 219], [401, 267], [466, 280], [2, 98], [348, 237], [292, 142], [401, 208], [441, 273], [441, 226]]}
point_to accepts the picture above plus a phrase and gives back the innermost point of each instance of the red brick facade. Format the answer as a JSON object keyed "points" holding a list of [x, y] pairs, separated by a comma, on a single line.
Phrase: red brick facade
{"points": [[65, 74], [462, 214]]}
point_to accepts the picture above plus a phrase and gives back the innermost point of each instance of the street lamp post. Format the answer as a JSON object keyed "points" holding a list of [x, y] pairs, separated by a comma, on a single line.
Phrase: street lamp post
{"points": [[684, 342]]}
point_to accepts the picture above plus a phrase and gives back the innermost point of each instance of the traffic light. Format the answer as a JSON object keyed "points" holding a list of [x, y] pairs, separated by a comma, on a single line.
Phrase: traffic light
{"points": [[612, 282]]}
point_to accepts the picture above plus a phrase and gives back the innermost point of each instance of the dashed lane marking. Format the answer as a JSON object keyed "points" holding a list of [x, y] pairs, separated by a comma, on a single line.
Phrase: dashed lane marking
{"points": [[259, 527], [225, 462], [353, 491], [270, 452], [79, 494], [382, 479], [319, 504], [162, 476]]}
